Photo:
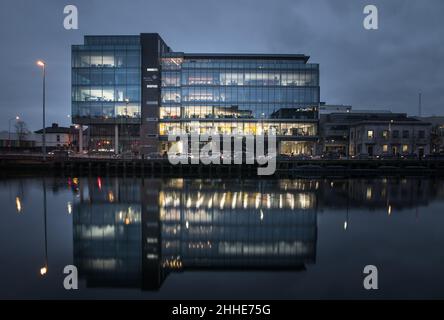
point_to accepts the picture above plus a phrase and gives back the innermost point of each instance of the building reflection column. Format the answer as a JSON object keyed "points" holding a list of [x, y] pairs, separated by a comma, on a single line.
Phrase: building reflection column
{"points": [[152, 275]]}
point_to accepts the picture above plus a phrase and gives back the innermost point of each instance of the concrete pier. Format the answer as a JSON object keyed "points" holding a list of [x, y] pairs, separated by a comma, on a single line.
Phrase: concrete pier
{"points": [[10, 164]]}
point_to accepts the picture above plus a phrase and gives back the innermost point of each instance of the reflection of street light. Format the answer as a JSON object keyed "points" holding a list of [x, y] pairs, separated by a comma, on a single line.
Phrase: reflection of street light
{"points": [[348, 206], [42, 64], [44, 269], [18, 204], [9, 130]]}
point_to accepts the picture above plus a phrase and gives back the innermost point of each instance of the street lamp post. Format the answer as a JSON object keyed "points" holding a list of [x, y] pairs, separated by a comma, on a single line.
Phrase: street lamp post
{"points": [[43, 65], [9, 131]]}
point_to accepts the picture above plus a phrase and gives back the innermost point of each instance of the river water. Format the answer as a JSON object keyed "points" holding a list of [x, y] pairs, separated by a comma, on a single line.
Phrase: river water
{"points": [[216, 238]]}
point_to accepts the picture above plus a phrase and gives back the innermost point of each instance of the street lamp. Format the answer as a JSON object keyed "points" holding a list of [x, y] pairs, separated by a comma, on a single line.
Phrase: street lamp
{"points": [[42, 64], [9, 130]]}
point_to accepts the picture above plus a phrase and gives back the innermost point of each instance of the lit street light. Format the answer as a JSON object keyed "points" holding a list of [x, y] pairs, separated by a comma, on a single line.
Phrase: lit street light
{"points": [[9, 130], [42, 64]]}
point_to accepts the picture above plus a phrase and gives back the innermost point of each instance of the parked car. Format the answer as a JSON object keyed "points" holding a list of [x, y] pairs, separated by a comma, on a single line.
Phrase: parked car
{"points": [[153, 155], [301, 157], [361, 157], [435, 156], [331, 156], [266, 158], [59, 153], [411, 156]]}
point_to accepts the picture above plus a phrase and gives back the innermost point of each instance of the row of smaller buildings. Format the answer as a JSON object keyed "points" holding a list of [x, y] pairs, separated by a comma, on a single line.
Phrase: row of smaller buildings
{"points": [[350, 133], [57, 137], [343, 133]]}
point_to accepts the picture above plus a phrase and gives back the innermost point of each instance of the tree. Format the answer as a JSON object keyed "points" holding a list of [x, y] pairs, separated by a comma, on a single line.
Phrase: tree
{"points": [[22, 131]]}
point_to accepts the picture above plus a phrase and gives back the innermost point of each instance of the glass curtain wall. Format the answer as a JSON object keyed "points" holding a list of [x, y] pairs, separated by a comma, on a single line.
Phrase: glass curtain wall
{"points": [[250, 95], [106, 80], [106, 85]]}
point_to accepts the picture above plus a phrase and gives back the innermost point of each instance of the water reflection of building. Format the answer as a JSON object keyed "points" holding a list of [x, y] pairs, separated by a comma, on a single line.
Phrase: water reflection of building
{"points": [[107, 231], [394, 192], [133, 233]]}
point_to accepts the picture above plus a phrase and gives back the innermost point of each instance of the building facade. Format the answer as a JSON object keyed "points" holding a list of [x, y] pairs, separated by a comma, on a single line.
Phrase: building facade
{"points": [[393, 138], [106, 92], [57, 137], [437, 139], [333, 108], [372, 134], [132, 91]]}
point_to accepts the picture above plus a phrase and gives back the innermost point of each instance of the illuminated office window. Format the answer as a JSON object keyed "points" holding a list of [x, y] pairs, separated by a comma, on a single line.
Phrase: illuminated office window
{"points": [[405, 148]]}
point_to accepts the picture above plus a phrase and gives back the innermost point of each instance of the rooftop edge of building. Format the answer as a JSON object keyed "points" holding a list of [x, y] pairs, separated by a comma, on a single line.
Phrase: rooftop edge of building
{"points": [[136, 40], [264, 56]]}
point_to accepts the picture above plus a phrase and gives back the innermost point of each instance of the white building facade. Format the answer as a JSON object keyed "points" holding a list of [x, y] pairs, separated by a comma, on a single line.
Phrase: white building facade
{"points": [[399, 138]]}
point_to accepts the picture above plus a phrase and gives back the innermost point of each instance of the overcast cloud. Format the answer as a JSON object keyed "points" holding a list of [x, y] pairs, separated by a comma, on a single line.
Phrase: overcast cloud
{"points": [[382, 69]]}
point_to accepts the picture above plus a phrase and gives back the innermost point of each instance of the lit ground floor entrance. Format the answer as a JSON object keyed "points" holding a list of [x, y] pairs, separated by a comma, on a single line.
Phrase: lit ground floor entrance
{"points": [[294, 148], [289, 148]]}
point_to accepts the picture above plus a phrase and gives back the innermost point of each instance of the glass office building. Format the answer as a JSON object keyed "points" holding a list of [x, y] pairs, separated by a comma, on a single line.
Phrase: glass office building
{"points": [[106, 84], [132, 91]]}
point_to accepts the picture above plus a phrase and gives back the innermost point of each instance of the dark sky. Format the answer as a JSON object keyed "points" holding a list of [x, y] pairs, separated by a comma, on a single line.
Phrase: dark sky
{"points": [[383, 69]]}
